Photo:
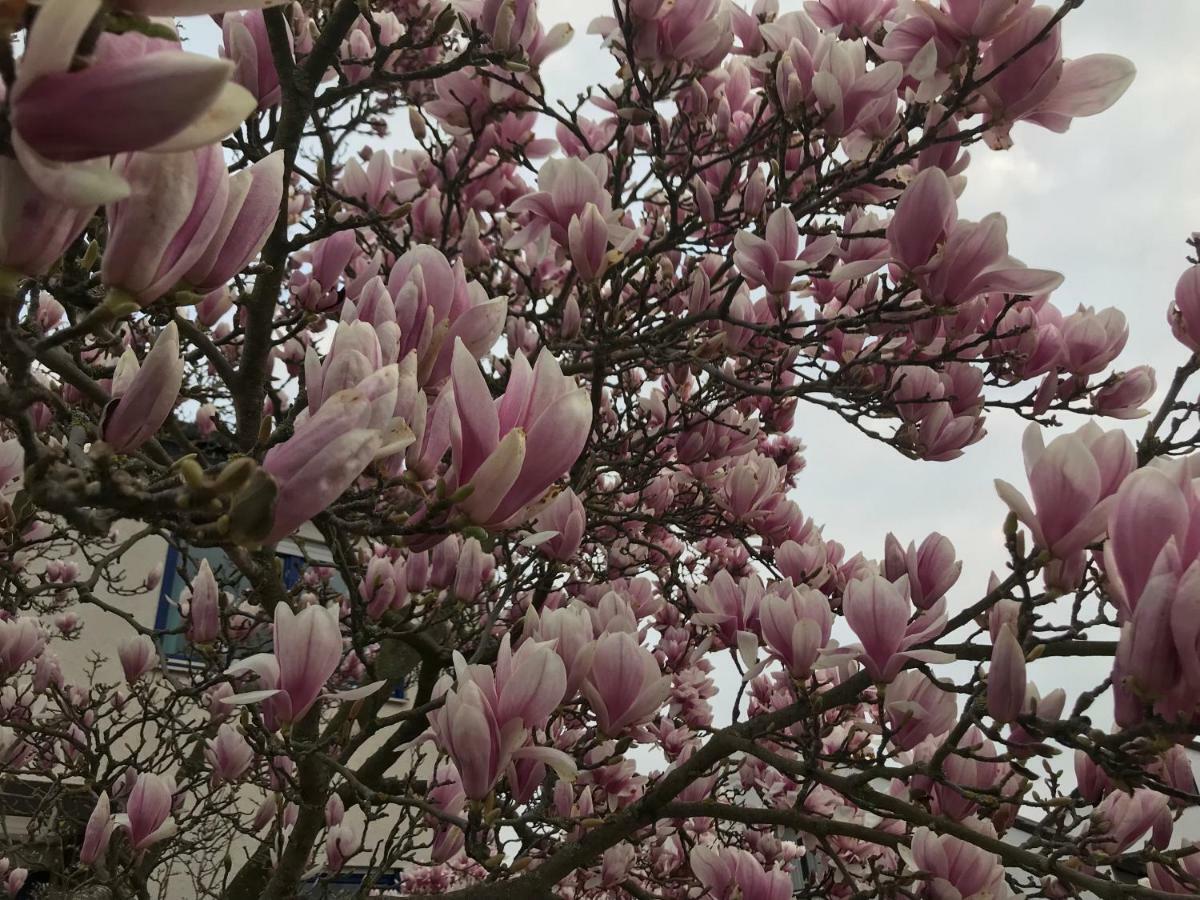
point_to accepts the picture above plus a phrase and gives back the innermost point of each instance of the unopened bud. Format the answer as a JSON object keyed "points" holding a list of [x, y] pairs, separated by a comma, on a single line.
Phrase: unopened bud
{"points": [[417, 123], [91, 256], [458, 496], [444, 22], [117, 304], [1010, 525], [252, 513], [235, 475], [191, 473]]}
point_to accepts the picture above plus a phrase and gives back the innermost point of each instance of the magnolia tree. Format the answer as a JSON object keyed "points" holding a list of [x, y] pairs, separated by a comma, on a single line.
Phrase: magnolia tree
{"points": [[532, 368]]}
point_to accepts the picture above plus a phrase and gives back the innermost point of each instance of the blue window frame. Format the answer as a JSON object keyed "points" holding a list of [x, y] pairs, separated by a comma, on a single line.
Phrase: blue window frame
{"points": [[168, 617], [346, 884], [168, 620]]}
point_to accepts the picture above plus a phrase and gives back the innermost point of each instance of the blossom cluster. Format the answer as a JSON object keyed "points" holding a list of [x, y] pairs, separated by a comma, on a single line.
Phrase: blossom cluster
{"points": [[533, 371]]}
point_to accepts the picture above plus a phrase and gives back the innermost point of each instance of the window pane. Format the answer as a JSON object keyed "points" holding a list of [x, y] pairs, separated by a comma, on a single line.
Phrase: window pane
{"points": [[180, 569], [186, 560]]}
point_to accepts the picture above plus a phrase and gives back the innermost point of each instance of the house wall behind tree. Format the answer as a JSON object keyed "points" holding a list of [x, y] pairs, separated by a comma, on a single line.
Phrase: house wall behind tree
{"points": [[91, 654]]}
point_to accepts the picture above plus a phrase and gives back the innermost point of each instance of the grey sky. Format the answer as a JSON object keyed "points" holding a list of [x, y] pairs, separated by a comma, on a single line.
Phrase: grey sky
{"points": [[1108, 204]]}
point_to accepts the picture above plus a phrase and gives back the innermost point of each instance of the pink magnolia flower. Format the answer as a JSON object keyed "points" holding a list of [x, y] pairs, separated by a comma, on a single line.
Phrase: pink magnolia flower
{"points": [[731, 606], [138, 656], [773, 260], [1031, 338], [1154, 506], [566, 187], [931, 569], [974, 767], [562, 521], [308, 647], [941, 434], [50, 312], [1072, 481], [14, 879], [436, 306], [307, 651], [1040, 86], [1092, 340], [849, 18], [953, 260], [854, 99], [980, 19], [1049, 708], [1156, 658], [514, 27], [193, 7], [1093, 781], [878, 612], [466, 729], [1163, 879], [541, 408], [35, 227], [147, 816], [803, 563], [138, 93], [251, 209], [12, 461], [380, 184], [1122, 398], [317, 290], [526, 686], [924, 217], [625, 686], [486, 719], [384, 586], [571, 632], [341, 843], [1184, 312], [1122, 819], [21, 640], [164, 226], [957, 868], [247, 45], [796, 625], [335, 810], [47, 671], [730, 873], [446, 795], [916, 709], [616, 863], [330, 449], [96, 835], [143, 394], [693, 32], [353, 356], [795, 37], [1006, 677], [587, 242], [228, 754], [203, 606]]}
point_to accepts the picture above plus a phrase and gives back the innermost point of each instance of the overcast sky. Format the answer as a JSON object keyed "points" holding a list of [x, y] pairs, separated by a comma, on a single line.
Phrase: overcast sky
{"points": [[1109, 204]]}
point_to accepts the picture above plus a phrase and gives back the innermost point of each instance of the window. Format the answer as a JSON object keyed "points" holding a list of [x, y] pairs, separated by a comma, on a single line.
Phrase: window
{"points": [[182, 564], [348, 883], [187, 559]]}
